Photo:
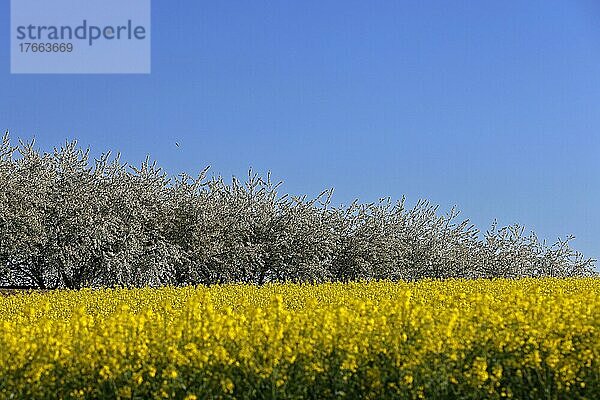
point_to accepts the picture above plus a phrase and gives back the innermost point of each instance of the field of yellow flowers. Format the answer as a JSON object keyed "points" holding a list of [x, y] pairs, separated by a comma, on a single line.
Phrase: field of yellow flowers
{"points": [[479, 339]]}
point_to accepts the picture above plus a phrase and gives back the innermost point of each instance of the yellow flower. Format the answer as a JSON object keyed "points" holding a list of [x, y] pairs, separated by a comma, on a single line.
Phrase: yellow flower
{"points": [[227, 385], [480, 369], [105, 372]]}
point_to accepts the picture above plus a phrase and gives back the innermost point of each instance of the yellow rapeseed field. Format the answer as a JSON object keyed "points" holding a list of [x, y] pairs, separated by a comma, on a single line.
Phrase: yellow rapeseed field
{"points": [[530, 338]]}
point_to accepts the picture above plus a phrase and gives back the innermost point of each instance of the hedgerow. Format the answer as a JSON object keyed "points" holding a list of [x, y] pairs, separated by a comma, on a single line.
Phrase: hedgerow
{"points": [[69, 222]]}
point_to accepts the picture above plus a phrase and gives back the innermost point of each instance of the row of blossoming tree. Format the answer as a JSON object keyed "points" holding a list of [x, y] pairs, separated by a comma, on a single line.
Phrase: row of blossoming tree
{"points": [[67, 221]]}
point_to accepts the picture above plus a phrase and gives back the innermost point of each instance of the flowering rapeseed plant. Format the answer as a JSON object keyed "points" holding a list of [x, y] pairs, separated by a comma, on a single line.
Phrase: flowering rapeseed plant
{"points": [[430, 339]]}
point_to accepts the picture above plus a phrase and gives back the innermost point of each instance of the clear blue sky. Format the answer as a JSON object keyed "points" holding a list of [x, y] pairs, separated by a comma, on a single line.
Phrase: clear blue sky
{"points": [[490, 105]]}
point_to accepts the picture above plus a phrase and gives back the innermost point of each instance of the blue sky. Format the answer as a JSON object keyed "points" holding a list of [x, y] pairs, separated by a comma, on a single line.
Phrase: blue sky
{"points": [[492, 106]]}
